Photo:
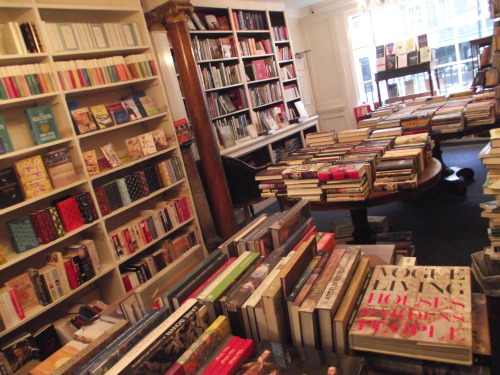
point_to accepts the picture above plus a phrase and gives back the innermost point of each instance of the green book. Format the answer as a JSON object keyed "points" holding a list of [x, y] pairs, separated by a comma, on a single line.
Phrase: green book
{"points": [[5, 143], [250, 259], [22, 234], [43, 125]]}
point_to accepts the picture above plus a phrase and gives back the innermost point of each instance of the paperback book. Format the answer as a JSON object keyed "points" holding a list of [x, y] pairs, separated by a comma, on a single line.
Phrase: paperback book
{"points": [[42, 123]]}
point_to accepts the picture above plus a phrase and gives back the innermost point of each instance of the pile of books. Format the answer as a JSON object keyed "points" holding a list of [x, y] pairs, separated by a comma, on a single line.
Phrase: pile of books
{"points": [[342, 183], [302, 181], [327, 138], [399, 169], [415, 123], [370, 123], [386, 133], [343, 230], [480, 112], [378, 224], [354, 135], [403, 241]]}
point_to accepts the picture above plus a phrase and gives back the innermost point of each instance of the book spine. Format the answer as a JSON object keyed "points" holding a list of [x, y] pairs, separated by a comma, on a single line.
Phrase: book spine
{"points": [[42, 235], [71, 273], [16, 304]]}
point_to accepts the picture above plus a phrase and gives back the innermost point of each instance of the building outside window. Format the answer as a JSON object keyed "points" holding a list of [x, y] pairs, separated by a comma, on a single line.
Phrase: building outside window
{"points": [[449, 25]]}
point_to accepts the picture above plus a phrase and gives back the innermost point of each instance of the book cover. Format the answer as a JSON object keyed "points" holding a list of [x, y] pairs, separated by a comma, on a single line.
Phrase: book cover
{"points": [[21, 351], [131, 109], [432, 306], [147, 143], [60, 167], [118, 114], [134, 148], [160, 139], [5, 142], [25, 291], [90, 158], [86, 207], [10, 190], [289, 222], [22, 234], [83, 120], [69, 213], [101, 116], [32, 176], [109, 153], [148, 105], [183, 131], [42, 123]]}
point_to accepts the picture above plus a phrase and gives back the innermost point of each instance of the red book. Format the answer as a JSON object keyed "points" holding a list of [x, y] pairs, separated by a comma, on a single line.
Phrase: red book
{"points": [[259, 67], [243, 352], [209, 280], [341, 172], [222, 354], [145, 230], [49, 224], [9, 87], [186, 212], [327, 242], [152, 63], [70, 272], [69, 213], [16, 304], [42, 236], [127, 283], [128, 241], [101, 200]]}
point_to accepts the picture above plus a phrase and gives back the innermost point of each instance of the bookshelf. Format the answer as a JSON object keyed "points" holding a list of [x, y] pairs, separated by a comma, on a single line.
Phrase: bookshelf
{"points": [[247, 69], [111, 35]]}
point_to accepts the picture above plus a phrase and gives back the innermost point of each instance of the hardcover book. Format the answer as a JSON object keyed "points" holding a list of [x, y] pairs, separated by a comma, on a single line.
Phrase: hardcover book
{"points": [[22, 234], [26, 344], [60, 167], [109, 153], [5, 142], [32, 176], [42, 124], [69, 213], [430, 314], [25, 291], [10, 190], [101, 116], [90, 158], [83, 120]]}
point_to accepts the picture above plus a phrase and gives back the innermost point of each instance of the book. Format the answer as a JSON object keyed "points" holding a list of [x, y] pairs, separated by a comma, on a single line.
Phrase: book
{"points": [[109, 153], [32, 176], [21, 351], [118, 114], [47, 340], [10, 190], [22, 234], [147, 143], [5, 142], [160, 139], [25, 291], [183, 131], [148, 105], [289, 222], [133, 148], [83, 120], [91, 164], [441, 298], [60, 167], [69, 213], [42, 123], [131, 108], [101, 116]]}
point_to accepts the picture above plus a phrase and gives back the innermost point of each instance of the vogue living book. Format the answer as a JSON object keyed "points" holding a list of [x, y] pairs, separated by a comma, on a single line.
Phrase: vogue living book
{"points": [[420, 312]]}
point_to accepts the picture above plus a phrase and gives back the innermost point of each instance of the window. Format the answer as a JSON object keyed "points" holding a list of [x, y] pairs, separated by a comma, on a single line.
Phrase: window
{"points": [[449, 25]]}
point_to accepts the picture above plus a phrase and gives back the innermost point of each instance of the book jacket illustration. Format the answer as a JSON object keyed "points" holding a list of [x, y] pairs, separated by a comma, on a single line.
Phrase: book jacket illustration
{"points": [[42, 124]]}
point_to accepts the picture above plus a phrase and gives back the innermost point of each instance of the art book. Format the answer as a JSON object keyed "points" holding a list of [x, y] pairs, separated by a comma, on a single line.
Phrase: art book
{"points": [[43, 125], [110, 155], [5, 142], [101, 116], [83, 119], [147, 143], [420, 312], [132, 110], [60, 167], [91, 163], [161, 142], [32, 176], [134, 148], [10, 190]]}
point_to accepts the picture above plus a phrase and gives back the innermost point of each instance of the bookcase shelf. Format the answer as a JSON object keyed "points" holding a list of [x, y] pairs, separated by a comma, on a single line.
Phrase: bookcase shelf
{"points": [[224, 87], [231, 114], [39, 310], [107, 285], [142, 200], [152, 243]]}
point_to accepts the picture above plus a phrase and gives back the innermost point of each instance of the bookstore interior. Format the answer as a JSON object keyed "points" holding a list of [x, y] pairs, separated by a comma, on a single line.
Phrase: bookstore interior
{"points": [[122, 247]]}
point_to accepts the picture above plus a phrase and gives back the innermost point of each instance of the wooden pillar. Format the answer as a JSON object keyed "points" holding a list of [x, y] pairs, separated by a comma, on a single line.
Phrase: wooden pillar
{"points": [[175, 15]]}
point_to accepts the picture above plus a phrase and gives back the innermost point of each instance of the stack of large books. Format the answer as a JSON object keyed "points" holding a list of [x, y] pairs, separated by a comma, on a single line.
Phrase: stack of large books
{"points": [[271, 182], [302, 181], [415, 123], [386, 133], [346, 182], [451, 122], [480, 112], [370, 123], [354, 135], [326, 138], [378, 224]]}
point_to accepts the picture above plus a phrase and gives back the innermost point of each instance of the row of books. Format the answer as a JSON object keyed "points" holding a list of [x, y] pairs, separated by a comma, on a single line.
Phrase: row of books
{"points": [[42, 124], [75, 74], [291, 91], [208, 22], [131, 107], [280, 33], [271, 119], [19, 81], [46, 225], [220, 75], [402, 53], [144, 268], [231, 129], [64, 271], [220, 104], [253, 47], [19, 38], [287, 72], [284, 53], [123, 191], [212, 49], [260, 69], [149, 226], [90, 36], [246, 20], [34, 176], [265, 94]]}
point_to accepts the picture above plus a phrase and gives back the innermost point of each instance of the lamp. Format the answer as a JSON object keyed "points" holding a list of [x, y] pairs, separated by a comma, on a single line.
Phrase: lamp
{"points": [[366, 5]]}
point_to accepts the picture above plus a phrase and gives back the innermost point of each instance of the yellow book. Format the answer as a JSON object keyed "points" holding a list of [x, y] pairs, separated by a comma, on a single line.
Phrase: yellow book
{"points": [[33, 176]]}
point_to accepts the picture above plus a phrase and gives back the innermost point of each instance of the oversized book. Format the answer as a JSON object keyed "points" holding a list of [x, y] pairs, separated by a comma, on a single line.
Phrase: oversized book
{"points": [[32, 176], [421, 312]]}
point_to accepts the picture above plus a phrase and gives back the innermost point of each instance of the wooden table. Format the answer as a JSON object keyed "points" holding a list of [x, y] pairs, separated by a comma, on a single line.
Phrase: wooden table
{"points": [[358, 209]]}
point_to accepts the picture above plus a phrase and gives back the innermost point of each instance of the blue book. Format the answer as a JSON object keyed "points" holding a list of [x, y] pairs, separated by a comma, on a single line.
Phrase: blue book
{"points": [[122, 187], [5, 143], [42, 123], [22, 234]]}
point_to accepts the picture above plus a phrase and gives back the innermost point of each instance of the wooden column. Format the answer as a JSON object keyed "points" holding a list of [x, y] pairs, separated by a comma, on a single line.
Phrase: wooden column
{"points": [[175, 15]]}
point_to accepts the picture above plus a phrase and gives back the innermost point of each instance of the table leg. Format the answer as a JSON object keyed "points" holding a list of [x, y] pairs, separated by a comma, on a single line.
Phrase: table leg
{"points": [[359, 219]]}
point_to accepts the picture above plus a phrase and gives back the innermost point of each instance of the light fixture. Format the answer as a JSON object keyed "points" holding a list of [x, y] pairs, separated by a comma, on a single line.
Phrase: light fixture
{"points": [[366, 5]]}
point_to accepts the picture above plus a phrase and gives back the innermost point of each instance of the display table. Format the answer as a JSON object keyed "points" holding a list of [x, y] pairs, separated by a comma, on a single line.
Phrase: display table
{"points": [[426, 67], [358, 209]]}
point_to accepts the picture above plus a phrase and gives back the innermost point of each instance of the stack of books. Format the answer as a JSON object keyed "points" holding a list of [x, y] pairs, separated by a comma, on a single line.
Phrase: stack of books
{"points": [[347, 182], [370, 123], [447, 122], [343, 230], [388, 122], [480, 112], [354, 135], [403, 241], [395, 174], [415, 123], [326, 138], [302, 181], [386, 133], [378, 224], [271, 182]]}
